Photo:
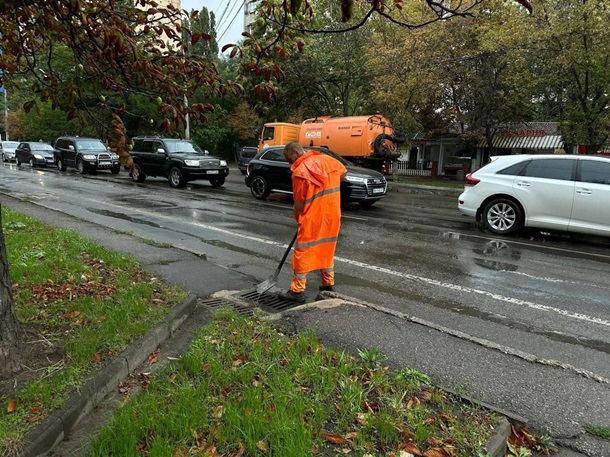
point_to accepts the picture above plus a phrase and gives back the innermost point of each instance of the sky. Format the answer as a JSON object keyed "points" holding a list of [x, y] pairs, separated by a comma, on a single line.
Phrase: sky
{"points": [[228, 26]]}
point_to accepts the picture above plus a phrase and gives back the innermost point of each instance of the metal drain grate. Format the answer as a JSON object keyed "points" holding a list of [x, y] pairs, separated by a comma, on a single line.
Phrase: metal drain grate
{"points": [[218, 303], [268, 302]]}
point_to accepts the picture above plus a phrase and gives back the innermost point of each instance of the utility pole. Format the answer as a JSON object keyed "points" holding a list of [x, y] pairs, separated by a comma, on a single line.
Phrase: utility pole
{"points": [[187, 130], [5, 115]]}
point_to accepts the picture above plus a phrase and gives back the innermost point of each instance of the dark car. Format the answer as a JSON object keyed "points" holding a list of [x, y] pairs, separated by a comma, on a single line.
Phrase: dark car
{"points": [[177, 160], [87, 155], [269, 171], [36, 153], [246, 154]]}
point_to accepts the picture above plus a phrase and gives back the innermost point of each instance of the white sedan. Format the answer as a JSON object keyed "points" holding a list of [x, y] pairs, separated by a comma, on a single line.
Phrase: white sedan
{"points": [[556, 192]]}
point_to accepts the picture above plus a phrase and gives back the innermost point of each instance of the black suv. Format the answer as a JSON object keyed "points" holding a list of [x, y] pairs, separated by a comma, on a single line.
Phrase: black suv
{"points": [[178, 160], [269, 171], [87, 155]]}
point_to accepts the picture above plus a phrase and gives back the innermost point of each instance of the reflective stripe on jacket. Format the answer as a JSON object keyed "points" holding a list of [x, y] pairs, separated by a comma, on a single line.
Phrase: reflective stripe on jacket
{"points": [[316, 185]]}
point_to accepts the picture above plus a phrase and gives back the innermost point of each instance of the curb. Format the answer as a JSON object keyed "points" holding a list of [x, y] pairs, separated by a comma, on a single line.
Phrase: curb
{"points": [[52, 430], [421, 188]]}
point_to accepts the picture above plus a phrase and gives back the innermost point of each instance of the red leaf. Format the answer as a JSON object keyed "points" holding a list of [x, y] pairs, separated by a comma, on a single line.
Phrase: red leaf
{"points": [[12, 406], [227, 46], [334, 438]]}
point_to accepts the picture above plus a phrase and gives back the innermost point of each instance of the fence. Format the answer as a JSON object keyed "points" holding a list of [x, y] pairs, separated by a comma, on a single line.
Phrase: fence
{"points": [[402, 169]]}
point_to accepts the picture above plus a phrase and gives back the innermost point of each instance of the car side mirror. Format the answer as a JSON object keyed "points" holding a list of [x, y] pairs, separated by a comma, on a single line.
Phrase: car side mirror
{"points": [[161, 151], [71, 148]]}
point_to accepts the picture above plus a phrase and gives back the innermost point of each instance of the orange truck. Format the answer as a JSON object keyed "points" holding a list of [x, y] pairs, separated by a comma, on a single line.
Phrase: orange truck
{"points": [[368, 141]]}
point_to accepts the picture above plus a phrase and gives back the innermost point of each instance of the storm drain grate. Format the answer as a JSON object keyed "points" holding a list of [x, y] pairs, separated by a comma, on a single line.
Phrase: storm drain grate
{"points": [[268, 302], [218, 303]]}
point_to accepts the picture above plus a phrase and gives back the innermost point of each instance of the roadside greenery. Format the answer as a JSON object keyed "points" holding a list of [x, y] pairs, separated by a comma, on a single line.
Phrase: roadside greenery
{"points": [[79, 305], [246, 388]]}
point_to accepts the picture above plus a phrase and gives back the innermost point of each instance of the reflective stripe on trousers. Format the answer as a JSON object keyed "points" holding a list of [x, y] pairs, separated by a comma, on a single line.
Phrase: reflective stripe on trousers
{"points": [[299, 280]]}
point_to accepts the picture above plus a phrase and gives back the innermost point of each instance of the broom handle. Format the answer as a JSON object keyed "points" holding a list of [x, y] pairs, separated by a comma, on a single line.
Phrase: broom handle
{"points": [[287, 251]]}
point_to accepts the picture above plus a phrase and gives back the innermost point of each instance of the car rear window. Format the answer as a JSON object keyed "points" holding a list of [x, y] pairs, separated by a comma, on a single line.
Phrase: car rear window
{"points": [[514, 169], [248, 153], [276, 155]]}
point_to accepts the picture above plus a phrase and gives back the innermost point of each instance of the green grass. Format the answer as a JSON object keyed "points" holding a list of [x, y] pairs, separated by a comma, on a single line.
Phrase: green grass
{"points": [[599, 431], [244, 387], [81, 302]]}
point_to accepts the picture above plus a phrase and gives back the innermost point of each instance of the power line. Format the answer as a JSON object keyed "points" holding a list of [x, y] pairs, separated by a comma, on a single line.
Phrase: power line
{"points": [[234, 4], [231, 23], [223, 12]]}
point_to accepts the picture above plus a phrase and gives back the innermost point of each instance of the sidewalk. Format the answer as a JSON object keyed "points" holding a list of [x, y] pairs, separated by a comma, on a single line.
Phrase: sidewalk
{"points": [[451, 360]]}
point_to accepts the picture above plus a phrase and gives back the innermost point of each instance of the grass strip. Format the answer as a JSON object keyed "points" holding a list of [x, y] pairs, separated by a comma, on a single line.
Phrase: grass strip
{"points": [[246, 388], [79, 305]]}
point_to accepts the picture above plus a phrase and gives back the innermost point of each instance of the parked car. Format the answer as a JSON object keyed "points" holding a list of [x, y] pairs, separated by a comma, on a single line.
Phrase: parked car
{"points": [[7, 149], [246, 154], [36, 153], [177, 160], [554, 192], [270, 172], [87, 155]]}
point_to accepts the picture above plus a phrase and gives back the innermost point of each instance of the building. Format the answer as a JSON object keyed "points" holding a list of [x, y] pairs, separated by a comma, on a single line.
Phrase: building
{"points": [[447, 154]]}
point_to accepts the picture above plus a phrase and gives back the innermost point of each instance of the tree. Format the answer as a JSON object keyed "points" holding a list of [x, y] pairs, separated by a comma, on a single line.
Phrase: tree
{"points": [[571, 57]]}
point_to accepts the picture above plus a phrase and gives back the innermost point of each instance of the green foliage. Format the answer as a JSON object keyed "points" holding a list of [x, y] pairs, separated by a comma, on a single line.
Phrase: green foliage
{"points": [[598, 430]]}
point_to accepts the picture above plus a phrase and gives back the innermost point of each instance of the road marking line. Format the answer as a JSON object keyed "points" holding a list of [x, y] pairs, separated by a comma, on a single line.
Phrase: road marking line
{"points": [[456, 287]]}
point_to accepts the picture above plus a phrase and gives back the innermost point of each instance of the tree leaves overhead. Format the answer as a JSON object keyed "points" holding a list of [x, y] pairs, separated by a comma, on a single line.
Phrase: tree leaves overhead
{"points": [[113, 48]]}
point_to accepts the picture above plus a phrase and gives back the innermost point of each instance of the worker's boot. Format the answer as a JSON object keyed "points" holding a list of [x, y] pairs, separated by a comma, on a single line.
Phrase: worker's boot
{"points": [[327, 288], [297, 297]]}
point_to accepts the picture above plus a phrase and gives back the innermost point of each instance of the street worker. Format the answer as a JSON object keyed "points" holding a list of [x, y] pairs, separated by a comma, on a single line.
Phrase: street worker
{"points": [[316, 185]]}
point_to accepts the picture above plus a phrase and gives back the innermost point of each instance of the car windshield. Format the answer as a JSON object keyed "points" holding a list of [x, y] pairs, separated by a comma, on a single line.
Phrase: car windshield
{"points": [[41, 147], [10, 144], [184, 147], [91, 145]]}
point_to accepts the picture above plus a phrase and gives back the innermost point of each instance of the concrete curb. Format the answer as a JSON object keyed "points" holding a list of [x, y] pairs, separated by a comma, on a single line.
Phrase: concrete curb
{"points": [[52, 430], [422, 188]]}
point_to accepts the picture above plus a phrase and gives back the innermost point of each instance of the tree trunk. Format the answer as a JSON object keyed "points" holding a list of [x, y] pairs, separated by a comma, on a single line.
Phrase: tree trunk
{"points": [[10, 332]]}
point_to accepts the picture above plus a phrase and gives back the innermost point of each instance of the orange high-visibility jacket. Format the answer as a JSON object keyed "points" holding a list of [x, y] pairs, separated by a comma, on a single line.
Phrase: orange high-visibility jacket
{"points": [[316, 185]]}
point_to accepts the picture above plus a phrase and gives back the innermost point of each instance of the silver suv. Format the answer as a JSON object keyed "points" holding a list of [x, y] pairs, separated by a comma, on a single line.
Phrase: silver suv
{"points": [[7, 149]]}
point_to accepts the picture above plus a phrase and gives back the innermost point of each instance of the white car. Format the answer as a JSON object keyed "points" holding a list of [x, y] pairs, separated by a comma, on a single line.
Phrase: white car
{"points": [[7, 149], [568, 193]]}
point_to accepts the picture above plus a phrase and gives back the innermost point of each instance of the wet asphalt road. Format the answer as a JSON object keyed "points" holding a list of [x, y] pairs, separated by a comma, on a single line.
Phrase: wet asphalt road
{"points": [[413, 253]]}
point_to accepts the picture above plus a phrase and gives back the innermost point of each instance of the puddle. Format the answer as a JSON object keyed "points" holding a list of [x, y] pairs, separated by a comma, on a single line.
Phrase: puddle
{"points": [[125, 217]]}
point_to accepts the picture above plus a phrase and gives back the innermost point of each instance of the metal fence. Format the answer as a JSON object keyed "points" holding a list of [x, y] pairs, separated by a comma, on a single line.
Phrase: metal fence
{"points": [[402, 169]]}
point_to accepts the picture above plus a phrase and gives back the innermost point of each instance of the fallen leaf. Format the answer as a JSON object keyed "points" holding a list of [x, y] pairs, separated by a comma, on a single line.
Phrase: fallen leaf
{"points": [[262, 446], [435, 441], [12, 406], [334, 438], [315, 451], [434, 452], [346, 450], [239, 452], [429, 421], [96, 358], [411, 448], [218, 412], [351, 435]]}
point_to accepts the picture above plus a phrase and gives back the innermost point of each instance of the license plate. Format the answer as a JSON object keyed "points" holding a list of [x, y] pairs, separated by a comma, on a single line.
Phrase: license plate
{"points": [[212, 172], [105, 164], [378, 191]]}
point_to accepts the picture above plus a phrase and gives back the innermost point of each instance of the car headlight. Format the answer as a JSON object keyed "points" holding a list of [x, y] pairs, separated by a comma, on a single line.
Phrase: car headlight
{"points": [[191, 163], [355, 178], [38, 156], [223, 163], [114, 156], [88, 157]]}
